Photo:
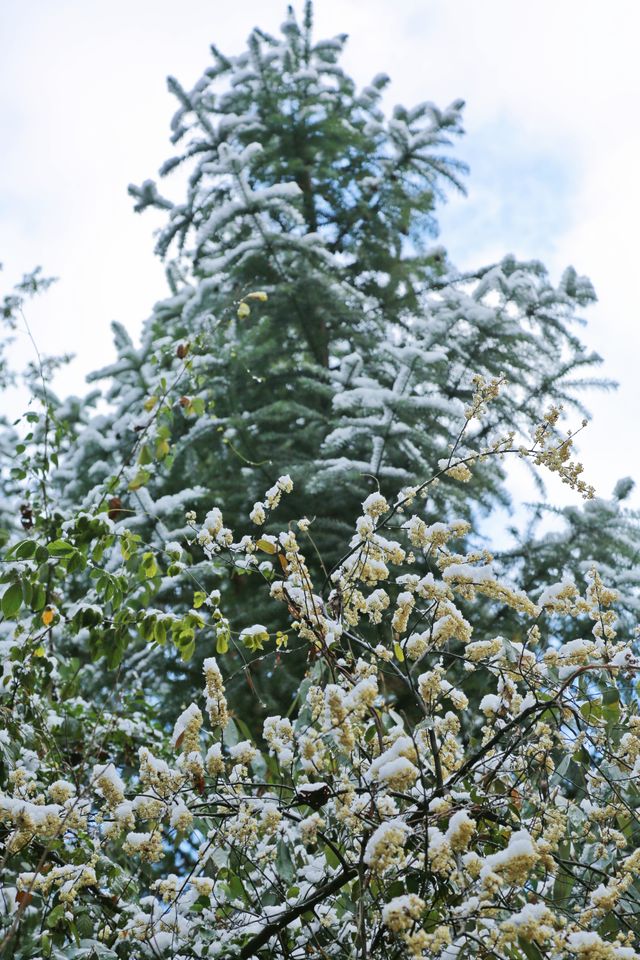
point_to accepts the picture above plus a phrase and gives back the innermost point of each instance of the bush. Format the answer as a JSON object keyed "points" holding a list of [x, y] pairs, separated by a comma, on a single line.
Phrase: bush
{"points": [[432, 792]]}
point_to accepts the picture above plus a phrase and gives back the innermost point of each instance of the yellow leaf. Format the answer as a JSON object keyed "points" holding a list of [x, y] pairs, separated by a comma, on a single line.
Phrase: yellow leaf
{"points": [[397, 649], [39, 651], [162, 449], [257, 295], [266, 545], [47, 616], [243, 310], [150, 403]]}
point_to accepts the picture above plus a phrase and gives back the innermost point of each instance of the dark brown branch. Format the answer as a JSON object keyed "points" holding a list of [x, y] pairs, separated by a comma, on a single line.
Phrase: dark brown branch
{"points": [[284, 919]]}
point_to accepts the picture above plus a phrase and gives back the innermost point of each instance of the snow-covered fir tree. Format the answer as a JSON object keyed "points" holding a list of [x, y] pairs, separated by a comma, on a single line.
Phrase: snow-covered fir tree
{"points": [[354, 369]]}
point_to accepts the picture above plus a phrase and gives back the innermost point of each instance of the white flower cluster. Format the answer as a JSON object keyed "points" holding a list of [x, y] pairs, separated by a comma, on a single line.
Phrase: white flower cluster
{"points": [[272, 497], [418, 797]]}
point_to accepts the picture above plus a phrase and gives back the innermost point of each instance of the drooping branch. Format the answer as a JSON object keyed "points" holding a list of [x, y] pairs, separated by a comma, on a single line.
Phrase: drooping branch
{"points": [[251, 948]]}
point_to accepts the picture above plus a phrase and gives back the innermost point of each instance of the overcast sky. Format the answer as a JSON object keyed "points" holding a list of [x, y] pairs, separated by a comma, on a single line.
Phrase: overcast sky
{"points": [[553, 137]]}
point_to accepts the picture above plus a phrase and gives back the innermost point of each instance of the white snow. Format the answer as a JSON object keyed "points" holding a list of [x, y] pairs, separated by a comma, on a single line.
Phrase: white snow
{"points": [[490, 704], [379, 837], [400, 746], [191, 713], [550, 594]]}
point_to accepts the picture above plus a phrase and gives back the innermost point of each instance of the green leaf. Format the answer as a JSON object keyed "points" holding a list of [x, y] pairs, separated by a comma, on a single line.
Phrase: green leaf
{"points": [[199, 598], [56, 915], [162, 449], [187, 651], [85, 926], [145, 457], [24, 549], [222, 638], [12, 600], [60, 548], [231, 734], [39, 597], [148, 565], [42, 554], [254, 641], [284, 863], [27, 592], [141, 477]]}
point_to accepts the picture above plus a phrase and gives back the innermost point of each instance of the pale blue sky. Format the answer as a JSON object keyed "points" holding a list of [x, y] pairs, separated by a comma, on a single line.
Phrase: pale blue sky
{"points": [[553, 136]]}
